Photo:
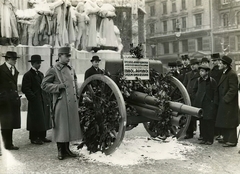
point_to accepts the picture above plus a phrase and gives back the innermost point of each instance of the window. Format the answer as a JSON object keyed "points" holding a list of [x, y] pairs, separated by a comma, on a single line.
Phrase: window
{"points": [[166, 48], [238, 18], [174, 8], [225, 20], [165, 26], [183, 4], [198, 2], [185, 45], [175, 47], [152, 28], [225, 1], [174, 24], [164, 8], [198, 19], [238, 42], [199, 44], [152, 11], [184, 23]]}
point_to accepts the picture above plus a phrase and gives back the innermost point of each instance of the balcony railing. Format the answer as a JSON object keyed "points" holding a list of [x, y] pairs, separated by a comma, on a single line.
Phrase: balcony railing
{"points": [[183, 30], [227, 28]]}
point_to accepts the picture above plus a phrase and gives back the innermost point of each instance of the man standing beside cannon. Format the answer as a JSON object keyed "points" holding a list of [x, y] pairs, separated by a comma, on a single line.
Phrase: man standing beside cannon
{"points": [[189, 82], [61, 81], [94, 69]]}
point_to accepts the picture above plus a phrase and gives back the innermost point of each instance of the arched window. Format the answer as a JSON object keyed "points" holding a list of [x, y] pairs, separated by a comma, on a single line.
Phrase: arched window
{"points": [[238, 18], [225, 20]]}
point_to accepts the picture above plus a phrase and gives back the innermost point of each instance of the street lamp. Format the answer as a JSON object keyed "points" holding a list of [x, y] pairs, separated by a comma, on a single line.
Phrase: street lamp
{"points": [[153, 46]]}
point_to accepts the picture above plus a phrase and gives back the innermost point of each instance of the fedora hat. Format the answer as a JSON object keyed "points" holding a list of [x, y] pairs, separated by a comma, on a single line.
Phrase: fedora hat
{"points": [[35, 58], [194, 61], [215, 56], [95, 58], [172, 64], [206, 67], [204, 59], [179, 63], [11, 54], [64, 50], [226, 59], [185, 57]]}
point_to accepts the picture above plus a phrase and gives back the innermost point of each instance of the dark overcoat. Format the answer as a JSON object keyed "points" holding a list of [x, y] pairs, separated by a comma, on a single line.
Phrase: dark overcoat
{"points": [[227, 114], [183, 72], [38, 116], [206, 97], [66, 117], [216, 73], [91, 71], [189, 82], [9, 99]]}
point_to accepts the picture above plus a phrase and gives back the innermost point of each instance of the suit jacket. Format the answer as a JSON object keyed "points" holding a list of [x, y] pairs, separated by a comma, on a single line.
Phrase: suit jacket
{"points": [[227, 114], [189, 82], [9, 99], [91, 71], [38, 116]]}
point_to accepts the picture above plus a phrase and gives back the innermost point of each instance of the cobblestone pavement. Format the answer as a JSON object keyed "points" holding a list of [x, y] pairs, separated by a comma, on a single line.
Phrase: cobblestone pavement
{"points": [[33, 159]]}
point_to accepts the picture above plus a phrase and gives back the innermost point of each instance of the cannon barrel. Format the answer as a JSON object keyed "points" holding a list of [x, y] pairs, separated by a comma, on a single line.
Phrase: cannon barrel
{"points": [[149, 102]]}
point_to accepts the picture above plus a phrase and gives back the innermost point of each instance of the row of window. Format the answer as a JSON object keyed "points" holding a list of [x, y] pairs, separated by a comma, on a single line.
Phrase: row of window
{"points": [[174, 6]]}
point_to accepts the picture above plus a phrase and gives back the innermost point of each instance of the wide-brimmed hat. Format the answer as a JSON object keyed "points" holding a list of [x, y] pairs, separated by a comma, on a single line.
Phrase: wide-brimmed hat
{"points": [[11, 54], [194, 61], [35, 58], [185, 57], [226, 59], [172, 64], [64, 50], [204, 59], [206, 67], [95, 58], [215, 56]]}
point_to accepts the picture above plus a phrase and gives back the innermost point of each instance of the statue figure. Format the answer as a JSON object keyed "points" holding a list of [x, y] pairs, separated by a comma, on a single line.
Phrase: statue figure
{"points": [[119, 40], [8, 21]]}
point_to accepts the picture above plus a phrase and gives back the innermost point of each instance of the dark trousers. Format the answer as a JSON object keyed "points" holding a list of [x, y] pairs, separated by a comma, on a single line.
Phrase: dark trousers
{"points": [[7, 137], [192, 126], [229, 135], [208, 129], [33, 135]]}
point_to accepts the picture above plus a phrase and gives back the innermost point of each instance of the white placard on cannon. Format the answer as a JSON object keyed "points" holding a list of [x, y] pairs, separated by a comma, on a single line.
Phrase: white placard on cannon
{"points": [[134, 67]]}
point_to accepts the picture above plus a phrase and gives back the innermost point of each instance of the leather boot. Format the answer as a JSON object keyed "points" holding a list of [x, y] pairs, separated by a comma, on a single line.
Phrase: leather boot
{"points": [[60, 147], [68, 152]]}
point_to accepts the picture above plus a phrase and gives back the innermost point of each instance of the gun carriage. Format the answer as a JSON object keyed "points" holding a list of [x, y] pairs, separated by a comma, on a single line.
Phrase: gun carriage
{"points": [[106, 112]]}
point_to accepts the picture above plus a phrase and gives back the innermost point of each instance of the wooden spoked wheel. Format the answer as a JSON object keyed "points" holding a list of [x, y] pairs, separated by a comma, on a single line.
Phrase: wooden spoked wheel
{"points": [[178, 93], [102, 114]]}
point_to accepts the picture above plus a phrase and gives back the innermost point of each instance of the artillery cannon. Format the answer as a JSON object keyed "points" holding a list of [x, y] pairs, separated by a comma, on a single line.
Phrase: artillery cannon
{"points": [[106, 113]]}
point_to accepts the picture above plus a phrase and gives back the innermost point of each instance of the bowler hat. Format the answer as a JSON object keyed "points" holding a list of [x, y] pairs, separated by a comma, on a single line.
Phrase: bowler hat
{"points": [[204, 59], [194, 61], [185, 57], [215, 56], [95, 58], [172, 64], [64, 50], [11, 54], [226, 59], [206, 67], [35, 58], [179, 63]]}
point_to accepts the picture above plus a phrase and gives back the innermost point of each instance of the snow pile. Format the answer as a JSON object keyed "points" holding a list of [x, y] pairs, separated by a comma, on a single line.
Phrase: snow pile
{"points": [[141, 150]]}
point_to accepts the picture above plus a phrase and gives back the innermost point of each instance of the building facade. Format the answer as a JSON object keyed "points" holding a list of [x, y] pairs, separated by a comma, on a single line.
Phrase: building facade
{"points": [[194, 27]]}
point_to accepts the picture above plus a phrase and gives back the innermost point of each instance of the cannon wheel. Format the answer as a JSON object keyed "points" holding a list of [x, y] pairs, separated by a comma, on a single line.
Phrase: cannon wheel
{"points": [[182, 96], [109, 92]]}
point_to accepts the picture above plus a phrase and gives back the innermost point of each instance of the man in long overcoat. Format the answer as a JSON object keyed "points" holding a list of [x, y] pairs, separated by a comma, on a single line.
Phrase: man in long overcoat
{"points": [[189, 82], [38, 116], [227, 114], [9, 100], [61, 81]]}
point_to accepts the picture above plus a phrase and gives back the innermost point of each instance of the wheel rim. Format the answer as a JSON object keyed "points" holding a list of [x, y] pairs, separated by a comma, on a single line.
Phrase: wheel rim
{"points": [[101, 97]]}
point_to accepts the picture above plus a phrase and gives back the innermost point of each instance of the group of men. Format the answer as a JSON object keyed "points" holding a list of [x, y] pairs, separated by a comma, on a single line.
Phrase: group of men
{"points": [[215, 90], [52, 101]]}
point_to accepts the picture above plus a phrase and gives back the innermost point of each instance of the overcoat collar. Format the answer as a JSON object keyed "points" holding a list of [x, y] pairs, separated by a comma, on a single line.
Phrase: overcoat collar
{"points": [[60, 66], [7, 71], [223, 77]]}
